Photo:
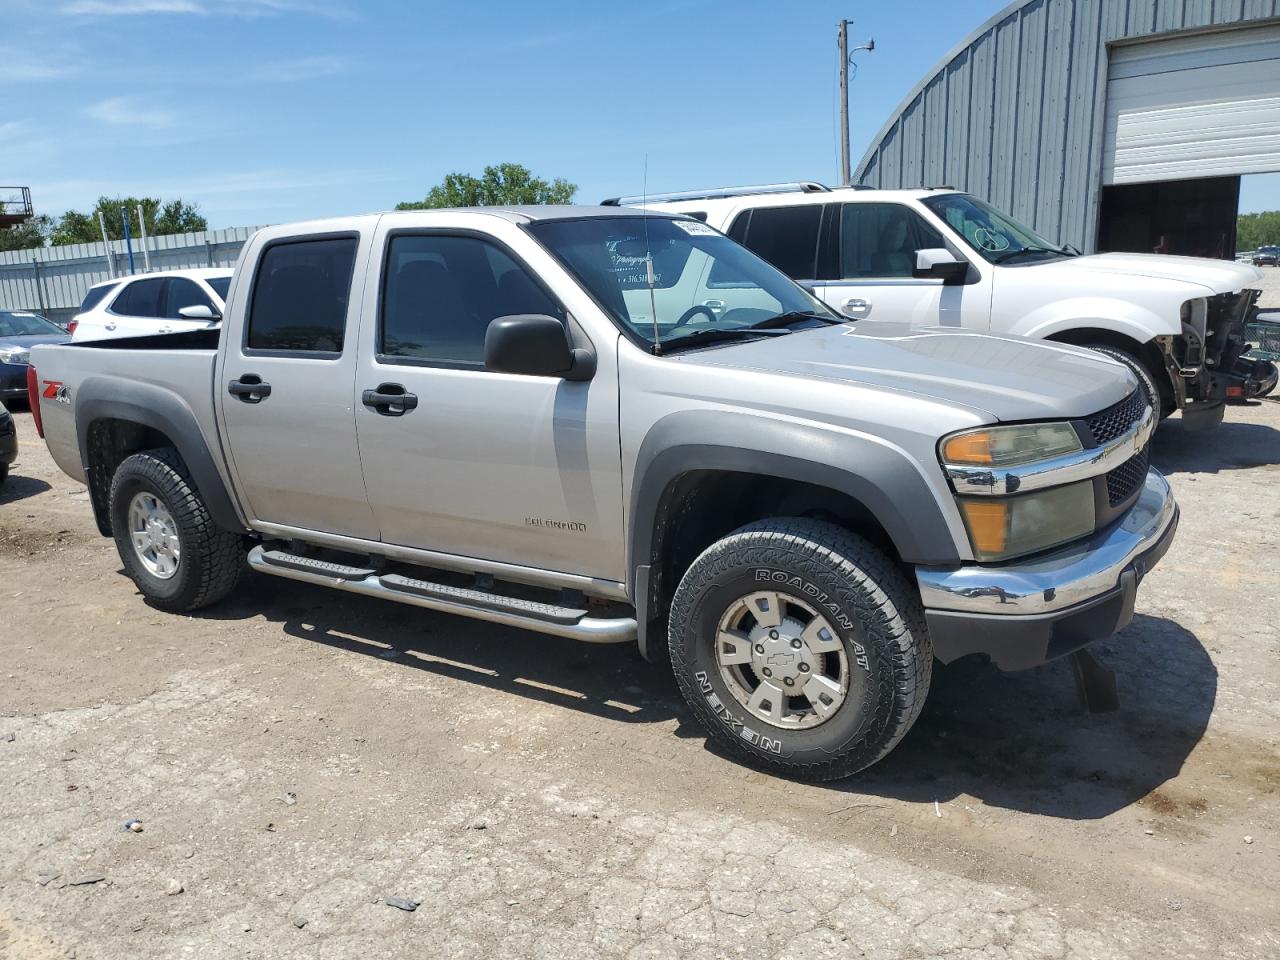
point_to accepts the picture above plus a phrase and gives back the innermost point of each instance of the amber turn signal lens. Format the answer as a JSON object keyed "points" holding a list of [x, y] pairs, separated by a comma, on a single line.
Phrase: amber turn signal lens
{"points": [[988, 523], [968, 448]]}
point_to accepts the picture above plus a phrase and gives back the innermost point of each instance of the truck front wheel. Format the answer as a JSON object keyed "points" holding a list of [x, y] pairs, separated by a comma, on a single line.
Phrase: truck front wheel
{"points": [[801, 648], [171, 548], [1146, 379]]}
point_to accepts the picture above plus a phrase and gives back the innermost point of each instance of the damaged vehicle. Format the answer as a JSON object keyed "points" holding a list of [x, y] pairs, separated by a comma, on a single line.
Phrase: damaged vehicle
{"points": [[941, 257]]}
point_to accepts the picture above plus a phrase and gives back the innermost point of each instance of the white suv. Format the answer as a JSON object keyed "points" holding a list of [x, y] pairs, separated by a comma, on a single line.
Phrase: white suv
{"points": [[938, 257], [169, 302]]}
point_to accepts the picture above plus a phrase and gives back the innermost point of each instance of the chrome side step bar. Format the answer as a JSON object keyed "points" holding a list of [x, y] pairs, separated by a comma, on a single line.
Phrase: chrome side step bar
{"points": [[549, 618]]}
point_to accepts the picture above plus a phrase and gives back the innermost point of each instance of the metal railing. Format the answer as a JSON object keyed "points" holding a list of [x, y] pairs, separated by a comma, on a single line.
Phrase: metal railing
{"points": [[15, 204]]}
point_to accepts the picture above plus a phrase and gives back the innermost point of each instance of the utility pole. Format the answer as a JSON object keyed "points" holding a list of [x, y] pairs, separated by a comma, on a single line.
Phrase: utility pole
{"points": [[846, 175]]}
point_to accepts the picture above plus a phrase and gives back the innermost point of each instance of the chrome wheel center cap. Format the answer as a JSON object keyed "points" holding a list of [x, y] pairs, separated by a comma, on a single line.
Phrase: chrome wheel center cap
{"points": [[779, 654]]}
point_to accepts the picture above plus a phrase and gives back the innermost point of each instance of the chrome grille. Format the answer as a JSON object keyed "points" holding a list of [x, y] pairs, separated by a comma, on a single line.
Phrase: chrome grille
{"points": [[1116, 419], [1125, 480]]}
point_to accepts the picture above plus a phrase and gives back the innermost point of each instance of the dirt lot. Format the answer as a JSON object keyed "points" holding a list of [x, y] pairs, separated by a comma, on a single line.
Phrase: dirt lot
{"points": [[1270, 287], [297, 757]]}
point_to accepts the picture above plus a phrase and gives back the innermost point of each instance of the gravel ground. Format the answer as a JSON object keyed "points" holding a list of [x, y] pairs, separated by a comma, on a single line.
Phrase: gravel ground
{"points": [[1270, 288], [298, 758]]}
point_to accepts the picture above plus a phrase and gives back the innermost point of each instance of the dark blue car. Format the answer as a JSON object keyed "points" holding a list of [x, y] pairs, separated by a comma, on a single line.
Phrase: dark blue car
{"points": [[19, 332]]}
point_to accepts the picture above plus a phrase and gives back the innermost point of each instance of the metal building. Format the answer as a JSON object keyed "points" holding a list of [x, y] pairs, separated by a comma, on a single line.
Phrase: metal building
{"points": [[1109, 124]]}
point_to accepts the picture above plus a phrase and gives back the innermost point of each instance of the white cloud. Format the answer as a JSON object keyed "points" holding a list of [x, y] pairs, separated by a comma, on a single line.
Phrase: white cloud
{"points": [[291, 71], [232, 8], [15, 68], [112, 8], [129, 111]]}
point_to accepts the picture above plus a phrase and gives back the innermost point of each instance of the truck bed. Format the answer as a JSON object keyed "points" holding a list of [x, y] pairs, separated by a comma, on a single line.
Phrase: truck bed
{"points": [[180, 363]]}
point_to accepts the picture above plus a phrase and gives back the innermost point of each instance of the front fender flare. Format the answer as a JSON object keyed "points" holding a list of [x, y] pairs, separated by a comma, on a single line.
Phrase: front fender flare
{"points": [[885, 480]]}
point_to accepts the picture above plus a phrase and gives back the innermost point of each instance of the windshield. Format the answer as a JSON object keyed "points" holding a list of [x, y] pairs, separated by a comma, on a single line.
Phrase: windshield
{"points": [[13, 324], [996, 236], [703, 282], [220, 286]]}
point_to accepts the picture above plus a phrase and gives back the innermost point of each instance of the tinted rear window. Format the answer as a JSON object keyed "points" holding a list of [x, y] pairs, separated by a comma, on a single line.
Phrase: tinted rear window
{"points": [[787, 237], [300, 296], [142, 298], [96, 295]]}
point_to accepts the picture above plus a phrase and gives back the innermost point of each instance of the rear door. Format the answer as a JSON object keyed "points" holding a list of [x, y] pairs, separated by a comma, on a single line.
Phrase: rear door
{"points": [[285, 385], [137, 309], [477, 464]]}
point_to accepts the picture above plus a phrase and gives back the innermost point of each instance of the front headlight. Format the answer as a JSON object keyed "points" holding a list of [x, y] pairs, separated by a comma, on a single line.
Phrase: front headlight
{"points": [[1004, 527], [1010, 446], [15, 355]]}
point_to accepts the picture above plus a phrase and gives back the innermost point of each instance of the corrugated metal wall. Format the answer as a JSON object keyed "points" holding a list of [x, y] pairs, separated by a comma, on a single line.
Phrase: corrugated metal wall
{"points": [[1015, 113], [53, 280]]}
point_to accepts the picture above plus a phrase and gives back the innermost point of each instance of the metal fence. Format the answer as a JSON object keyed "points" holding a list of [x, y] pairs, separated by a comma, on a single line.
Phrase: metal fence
{"points": [[53, 280]]}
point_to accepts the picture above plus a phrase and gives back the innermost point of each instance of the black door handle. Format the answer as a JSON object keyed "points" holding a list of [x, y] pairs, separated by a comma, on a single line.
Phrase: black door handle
{"points": [[249, 388], [390, 400]]}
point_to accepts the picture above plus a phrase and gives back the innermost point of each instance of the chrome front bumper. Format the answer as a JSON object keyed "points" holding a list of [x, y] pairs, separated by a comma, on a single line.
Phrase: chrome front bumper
{"points": [[1024, 612]]}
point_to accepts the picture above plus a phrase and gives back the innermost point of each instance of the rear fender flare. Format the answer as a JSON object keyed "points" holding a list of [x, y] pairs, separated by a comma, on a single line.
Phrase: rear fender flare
{"points": [[105, 398]]}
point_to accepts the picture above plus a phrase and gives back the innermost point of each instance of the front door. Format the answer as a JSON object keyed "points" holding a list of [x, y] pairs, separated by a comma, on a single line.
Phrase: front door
{"points": [[477, 464], [878, 244], [286, 385]]}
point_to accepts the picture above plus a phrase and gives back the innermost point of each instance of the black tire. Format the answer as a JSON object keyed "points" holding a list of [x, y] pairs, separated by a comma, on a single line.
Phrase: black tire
{"points": [[4, 473], [871, 607], [210, 558], [1146, 379]]}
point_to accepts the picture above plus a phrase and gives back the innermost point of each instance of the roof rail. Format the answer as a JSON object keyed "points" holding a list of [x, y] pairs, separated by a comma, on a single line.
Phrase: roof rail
{"points": [[804, 186]]}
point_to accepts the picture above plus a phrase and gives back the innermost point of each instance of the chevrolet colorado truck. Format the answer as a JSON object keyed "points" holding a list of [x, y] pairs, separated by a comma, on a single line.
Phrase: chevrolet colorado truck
{"points": [[531, 416], [941, 257]]}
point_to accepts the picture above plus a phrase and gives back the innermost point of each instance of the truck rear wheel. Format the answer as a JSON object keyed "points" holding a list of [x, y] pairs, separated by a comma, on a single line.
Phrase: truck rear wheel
{"points": [[172, 550], [801, 648]]}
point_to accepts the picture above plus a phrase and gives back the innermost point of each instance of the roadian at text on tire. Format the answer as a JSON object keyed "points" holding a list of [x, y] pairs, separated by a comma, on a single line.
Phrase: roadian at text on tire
{"points": [[478, 412]]}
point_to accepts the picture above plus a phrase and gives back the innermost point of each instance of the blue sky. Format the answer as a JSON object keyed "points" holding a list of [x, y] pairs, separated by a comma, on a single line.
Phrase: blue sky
{"points": [[264, 111]]}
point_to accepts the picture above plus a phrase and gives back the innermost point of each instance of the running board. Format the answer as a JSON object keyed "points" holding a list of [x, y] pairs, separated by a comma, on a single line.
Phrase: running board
{"points": [[549, 618], [292, 561]]}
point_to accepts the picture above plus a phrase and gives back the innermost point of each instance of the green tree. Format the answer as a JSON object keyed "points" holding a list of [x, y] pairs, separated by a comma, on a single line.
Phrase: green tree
{"points": [[503, 185], [26, 236], [1254, 230], [172, 217]]}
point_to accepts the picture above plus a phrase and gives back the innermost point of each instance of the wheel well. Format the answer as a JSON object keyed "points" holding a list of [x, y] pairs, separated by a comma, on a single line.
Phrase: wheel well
{"points": [[1149, 353], [702, 506], [110, 442]]}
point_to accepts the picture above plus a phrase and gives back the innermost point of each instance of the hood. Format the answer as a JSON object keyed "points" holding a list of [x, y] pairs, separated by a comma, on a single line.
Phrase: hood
{"points": [[1218, 276], [32, 339], [1009, 378]]}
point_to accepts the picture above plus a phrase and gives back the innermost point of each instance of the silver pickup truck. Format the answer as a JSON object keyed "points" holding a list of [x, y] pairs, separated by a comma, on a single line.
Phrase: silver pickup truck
{"points": [[545, 417]]}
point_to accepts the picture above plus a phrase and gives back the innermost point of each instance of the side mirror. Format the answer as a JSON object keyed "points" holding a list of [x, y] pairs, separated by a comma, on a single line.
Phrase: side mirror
{"points": [[535, 345], [199, 311], [940, 264]]}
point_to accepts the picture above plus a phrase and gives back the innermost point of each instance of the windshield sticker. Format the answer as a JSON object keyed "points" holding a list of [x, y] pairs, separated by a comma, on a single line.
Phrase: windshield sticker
{"points": [[988, 239], [695, 228]]}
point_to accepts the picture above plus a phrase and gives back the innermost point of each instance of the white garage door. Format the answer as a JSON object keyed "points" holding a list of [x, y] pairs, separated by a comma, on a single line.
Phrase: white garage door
{"points": [[1196, 106]]}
